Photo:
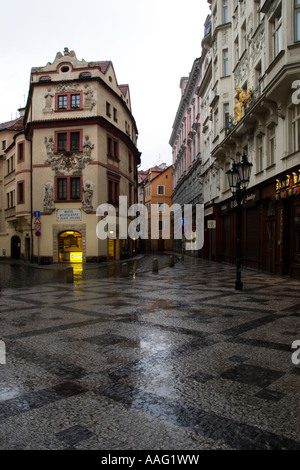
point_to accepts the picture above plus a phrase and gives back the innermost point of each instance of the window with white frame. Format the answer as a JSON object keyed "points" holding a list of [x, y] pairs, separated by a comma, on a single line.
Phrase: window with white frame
{"points": [[225, 63], [244, 37], [277, 34], [225, 11], [161, 189], [216, 123], [296, 128], [297, 20], [236, 50], [271, 156], [226, 115], [260, 153], [257, 13]]}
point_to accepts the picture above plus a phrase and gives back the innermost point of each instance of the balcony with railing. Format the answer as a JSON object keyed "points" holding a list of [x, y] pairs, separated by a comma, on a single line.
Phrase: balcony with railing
{"points": [[10, 212], [231, 123]]}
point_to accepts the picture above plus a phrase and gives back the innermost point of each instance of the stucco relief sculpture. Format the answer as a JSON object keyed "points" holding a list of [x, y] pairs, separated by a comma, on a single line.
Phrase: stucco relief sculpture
{"points": [[89, 102], [67, 87], [243, 99], [48, 200], [87, 201], [68, 162], [48, 101]]}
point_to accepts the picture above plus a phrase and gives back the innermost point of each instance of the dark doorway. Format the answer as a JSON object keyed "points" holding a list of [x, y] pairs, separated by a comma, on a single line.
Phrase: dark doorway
{"points": [[15, 247]]}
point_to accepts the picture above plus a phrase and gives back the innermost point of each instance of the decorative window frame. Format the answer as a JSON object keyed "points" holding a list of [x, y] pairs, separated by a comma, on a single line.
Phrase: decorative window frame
{"points": [[68, 132], [68, 95]]}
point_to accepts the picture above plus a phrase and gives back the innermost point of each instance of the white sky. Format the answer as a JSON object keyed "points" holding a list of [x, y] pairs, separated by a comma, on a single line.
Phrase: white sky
{"points": [[151, 43]]}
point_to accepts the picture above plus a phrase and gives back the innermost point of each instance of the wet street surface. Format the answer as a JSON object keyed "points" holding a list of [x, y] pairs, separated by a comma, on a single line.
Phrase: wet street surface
{"points": [[174, 360]]}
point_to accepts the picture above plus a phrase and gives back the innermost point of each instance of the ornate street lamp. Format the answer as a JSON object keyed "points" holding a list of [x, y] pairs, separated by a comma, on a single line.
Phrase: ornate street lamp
{"points": [[238, 179]]}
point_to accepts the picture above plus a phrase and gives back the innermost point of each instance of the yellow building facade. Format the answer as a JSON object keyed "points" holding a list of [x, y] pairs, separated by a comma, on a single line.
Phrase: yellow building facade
{"points": [[76, 149], [158, 201]]}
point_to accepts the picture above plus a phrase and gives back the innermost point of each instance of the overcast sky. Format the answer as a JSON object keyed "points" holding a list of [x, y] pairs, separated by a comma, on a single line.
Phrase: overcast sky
{"points": [[151, 43]]}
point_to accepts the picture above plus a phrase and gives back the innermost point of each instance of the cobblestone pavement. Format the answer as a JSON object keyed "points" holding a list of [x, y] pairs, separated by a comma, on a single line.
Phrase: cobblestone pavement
{"points": [[174, 360]]}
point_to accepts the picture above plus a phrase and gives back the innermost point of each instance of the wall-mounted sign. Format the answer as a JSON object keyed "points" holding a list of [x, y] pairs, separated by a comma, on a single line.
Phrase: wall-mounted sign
{"points": [[288, 181], [63, 215], [288, 186], [211, 224], [76, 256]]}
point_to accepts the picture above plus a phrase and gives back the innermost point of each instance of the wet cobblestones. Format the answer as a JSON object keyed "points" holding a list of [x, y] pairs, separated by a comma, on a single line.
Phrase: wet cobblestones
{"points": [[157, 361]]}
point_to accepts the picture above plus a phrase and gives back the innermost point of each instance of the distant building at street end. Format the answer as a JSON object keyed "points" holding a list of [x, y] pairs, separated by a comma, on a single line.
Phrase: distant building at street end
{"points": [[155, 192], [73, 148]]}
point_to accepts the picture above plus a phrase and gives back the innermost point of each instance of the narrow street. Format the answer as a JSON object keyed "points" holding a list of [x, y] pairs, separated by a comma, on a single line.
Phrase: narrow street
{"points": [[155, 361]]}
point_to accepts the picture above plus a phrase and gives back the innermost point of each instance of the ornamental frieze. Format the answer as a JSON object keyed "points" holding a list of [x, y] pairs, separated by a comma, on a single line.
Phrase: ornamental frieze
{"points": [[68, 162]]}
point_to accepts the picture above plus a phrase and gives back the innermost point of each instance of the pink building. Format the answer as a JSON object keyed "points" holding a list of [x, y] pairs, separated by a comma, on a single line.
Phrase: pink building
{"points": [[186, 142]]}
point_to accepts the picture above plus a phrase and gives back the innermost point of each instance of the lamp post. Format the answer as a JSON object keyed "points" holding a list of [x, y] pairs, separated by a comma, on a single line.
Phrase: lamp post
{"points": [[238, 178]]}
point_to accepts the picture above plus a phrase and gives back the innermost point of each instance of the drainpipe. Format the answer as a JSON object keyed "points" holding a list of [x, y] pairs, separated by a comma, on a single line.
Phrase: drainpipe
{"points": [[31, 204]]}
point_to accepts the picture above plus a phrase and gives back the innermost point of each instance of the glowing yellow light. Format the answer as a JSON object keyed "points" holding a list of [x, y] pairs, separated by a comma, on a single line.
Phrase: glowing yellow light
{"points": [[76, 257]]}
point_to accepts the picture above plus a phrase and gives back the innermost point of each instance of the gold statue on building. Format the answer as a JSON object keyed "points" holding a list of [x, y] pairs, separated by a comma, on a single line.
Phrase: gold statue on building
{"points": [[243, 99]]}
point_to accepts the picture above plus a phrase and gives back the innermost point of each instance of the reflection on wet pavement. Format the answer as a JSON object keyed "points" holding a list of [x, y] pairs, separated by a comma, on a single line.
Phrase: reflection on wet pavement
{"points": [[170, 360]]}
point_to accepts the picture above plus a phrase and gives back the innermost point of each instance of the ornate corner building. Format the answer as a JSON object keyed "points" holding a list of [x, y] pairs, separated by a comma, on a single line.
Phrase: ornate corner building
{"points": [[73, 148]]}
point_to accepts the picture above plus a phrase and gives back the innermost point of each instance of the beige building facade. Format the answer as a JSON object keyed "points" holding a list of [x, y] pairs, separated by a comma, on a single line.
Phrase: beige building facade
{"points": [[255, 111], [76, 150]]}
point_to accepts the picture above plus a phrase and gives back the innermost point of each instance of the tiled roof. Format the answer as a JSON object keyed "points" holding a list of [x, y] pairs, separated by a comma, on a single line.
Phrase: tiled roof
{"points": [[124, 89], [15, 125], [103, 65]]}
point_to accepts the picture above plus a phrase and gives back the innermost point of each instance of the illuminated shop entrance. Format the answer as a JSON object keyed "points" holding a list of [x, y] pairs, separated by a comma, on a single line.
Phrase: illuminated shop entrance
{"points": [[70, 247]]}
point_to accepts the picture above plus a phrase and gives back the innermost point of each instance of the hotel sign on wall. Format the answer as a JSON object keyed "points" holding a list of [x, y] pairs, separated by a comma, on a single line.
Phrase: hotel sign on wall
{"points": [[287, 186], [63, 215]]}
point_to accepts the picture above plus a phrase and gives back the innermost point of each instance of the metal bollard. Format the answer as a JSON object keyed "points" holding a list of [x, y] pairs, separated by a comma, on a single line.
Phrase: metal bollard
{"points": [[155, 265], [125, 270], [69, 274], [171, 261]]}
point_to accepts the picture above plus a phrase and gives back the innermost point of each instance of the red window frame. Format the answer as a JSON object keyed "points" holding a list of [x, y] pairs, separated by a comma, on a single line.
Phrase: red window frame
{"points": [[21, 193], [68, 134], [68, 180], [112, 147], [69, 100], [21, 151], [113, 188]]}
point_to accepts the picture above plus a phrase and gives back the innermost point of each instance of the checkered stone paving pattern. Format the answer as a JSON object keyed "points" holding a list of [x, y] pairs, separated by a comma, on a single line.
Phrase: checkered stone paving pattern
{"points": [[174, 360]]}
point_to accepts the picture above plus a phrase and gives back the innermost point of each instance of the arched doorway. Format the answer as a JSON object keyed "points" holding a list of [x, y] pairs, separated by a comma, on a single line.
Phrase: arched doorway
{"points": [[70, 247], [15, 247]]}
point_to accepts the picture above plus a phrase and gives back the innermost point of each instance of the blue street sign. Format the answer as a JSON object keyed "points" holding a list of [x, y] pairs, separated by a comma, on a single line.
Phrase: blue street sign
{"points": [[37, 233], [37, 214]]}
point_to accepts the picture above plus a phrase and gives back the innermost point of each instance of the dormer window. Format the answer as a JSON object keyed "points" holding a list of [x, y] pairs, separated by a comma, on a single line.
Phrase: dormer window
{"points": [[45, 78], [68, 101], [85, 75]]}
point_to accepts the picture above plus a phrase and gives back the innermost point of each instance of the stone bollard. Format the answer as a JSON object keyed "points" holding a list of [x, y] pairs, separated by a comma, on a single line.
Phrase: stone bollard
{"points": [[69, 274], [171, 261], [125, 270], [155, 265]]}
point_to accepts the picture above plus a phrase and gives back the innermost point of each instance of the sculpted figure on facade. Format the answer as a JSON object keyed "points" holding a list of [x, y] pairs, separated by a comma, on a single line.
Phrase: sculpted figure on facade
{"points": [[243, 99], [48, 201], [48, 101], [50, 149], [89, 102], [87, 201]]}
